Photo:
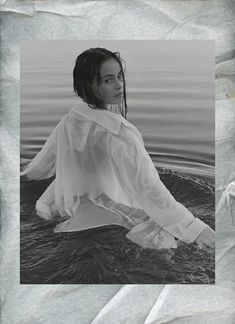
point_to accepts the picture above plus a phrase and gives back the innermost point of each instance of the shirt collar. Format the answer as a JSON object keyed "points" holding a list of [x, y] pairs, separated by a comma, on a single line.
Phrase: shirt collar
{"points": [[108, 119]]}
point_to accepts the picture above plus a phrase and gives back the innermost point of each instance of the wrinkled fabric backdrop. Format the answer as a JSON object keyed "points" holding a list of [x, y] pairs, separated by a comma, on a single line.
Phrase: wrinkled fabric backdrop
{"points": [[30, 20]]}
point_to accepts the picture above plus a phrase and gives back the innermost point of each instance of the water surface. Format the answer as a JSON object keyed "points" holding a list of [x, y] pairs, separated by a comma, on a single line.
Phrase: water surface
{"points": [[172, 106]]}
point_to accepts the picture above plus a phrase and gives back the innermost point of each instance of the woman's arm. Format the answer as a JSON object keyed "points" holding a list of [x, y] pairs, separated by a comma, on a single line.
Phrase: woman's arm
{"points": [[206, 237], [142, 181]]}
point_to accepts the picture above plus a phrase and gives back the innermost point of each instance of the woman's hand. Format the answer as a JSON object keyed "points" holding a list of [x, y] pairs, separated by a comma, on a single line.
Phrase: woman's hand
{"points": [[207, 237]]}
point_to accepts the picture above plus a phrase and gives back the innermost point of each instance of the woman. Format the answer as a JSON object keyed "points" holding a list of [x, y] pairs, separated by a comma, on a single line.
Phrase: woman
{"points": [[104, 175]]}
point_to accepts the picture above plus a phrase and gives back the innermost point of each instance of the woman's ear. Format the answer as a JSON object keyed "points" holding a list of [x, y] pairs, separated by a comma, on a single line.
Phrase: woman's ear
{"points": [[95, 90]]}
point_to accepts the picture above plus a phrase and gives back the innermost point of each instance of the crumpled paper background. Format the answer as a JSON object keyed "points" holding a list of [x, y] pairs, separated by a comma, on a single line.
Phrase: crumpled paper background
{"points": [[29, 20]]}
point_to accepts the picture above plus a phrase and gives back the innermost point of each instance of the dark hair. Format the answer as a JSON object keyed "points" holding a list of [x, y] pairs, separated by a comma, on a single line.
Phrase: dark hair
{"points": [[87, 70]]}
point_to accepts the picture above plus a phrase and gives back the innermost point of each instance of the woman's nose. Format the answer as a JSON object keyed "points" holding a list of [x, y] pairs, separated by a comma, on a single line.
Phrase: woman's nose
{"points": [[118, 84]]}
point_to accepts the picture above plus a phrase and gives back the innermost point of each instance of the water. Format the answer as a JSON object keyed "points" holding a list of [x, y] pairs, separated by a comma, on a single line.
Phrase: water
{"points": [[173, 111], [104, 255]]}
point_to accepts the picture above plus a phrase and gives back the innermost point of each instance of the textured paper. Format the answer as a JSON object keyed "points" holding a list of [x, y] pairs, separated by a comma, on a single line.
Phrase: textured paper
{"points": [[29, 20]]}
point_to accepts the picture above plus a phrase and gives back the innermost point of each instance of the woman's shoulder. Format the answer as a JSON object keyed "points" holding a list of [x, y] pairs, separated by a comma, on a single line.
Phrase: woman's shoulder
{"points": [[131, 129]]}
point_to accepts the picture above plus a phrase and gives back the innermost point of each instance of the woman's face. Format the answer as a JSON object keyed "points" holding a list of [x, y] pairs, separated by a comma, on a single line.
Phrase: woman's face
{"points": [[110, 90]]}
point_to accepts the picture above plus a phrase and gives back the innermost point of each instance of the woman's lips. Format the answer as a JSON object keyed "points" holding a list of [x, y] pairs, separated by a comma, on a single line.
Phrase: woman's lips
{"points": [[119, 95]]}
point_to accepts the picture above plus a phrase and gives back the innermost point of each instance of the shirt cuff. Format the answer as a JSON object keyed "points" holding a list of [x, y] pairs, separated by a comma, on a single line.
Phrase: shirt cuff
{"points": [[193, 230]]}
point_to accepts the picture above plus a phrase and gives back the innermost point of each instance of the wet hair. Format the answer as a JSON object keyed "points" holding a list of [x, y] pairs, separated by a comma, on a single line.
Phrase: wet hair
{"points": [[87, 70]]}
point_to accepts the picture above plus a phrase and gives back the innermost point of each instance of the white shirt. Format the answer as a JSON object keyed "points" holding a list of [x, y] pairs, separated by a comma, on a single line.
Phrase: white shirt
{"points": [[100, 161]]}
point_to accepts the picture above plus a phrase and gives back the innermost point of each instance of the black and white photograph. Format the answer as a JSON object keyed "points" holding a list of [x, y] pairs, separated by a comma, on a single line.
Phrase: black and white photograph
{"points": [[117, 161]]}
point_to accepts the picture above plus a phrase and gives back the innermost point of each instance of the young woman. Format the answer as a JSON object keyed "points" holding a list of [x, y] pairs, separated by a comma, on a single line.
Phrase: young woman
{"points": [[103, 173]]}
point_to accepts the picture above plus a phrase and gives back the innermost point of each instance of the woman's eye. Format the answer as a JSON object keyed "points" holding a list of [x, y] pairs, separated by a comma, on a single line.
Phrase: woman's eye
{"points": [[121, 77]]}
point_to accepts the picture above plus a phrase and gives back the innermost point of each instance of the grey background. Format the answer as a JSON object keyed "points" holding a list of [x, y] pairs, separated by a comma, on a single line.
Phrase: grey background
{"points": [[116, 20]]}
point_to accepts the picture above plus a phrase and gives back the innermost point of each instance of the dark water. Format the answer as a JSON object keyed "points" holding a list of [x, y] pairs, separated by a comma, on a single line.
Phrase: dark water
{"points": [[104, 255]]}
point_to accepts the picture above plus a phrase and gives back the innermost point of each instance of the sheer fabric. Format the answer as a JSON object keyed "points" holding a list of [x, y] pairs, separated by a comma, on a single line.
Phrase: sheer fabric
{"points": [[104, 175]]}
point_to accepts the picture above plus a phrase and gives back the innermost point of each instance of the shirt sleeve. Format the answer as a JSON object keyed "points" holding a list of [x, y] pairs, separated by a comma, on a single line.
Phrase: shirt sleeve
{"points": [[70, 133], [142, 181]]}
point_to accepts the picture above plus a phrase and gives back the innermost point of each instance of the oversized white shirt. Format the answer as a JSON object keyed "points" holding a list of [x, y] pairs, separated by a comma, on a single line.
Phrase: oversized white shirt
{"points": [[100, 161]]}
